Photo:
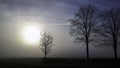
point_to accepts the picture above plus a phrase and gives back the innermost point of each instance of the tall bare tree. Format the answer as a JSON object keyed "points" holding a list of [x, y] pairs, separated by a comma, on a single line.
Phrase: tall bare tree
{"points": [[110, 28], [46, 41], [82, 25]]}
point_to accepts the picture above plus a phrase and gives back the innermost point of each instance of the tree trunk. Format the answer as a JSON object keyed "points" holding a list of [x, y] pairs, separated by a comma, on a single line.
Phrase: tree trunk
{"points": [[115, 48], [115, 53], [87, 49], [45, 53]]}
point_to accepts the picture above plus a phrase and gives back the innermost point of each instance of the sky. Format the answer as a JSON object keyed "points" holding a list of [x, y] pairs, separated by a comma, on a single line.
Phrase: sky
{"points": [[51, 15]]}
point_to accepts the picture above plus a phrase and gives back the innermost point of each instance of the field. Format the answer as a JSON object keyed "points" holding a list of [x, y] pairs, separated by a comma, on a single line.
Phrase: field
{"points": [[58, 63]]}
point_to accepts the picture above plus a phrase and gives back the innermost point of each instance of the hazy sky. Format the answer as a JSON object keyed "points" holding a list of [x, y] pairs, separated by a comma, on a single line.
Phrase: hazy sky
{"points": [[51, 15]]}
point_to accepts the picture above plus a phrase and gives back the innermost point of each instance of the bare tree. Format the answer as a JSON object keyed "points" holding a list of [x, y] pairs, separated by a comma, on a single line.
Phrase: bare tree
{"points": [[110, 28], [82, 25], [46, 41]]}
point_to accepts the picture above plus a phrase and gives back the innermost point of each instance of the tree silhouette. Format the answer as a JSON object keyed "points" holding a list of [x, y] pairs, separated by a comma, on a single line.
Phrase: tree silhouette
{"points": [[110, 28], [46, 41], [82, 25]]}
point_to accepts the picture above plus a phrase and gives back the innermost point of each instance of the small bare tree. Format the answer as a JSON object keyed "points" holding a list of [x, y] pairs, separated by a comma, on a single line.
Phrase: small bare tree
{"points": [[46, 41], [83, 24], [110, 28]]}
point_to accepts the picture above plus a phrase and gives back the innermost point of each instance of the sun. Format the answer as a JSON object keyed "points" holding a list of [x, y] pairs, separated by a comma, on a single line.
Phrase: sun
{"points": [[31, 34]]}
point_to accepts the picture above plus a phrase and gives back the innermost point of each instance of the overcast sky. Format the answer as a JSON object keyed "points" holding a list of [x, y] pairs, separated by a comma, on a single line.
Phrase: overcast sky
{"points": [[53, 16]]}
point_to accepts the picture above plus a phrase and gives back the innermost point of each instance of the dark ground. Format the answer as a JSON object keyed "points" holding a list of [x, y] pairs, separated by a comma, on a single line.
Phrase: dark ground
{"points": [[58, 63]]}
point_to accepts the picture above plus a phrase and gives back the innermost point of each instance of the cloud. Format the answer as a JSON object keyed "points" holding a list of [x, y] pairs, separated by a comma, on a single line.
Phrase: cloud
{"points": [[45, 11], [106, 3]]}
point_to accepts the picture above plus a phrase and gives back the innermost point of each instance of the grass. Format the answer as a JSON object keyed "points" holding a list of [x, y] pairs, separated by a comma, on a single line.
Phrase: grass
{"points": [[58, 63]]}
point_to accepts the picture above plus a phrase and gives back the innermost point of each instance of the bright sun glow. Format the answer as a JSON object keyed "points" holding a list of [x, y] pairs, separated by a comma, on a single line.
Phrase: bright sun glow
{"points": [[31, 34]]}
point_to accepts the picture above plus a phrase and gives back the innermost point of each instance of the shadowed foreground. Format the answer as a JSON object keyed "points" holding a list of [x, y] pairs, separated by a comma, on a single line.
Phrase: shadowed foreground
{"points": [[58, 63]]}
